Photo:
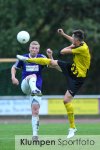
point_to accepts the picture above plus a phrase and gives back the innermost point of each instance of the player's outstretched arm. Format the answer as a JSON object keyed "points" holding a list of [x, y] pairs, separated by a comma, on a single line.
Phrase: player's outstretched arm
{"points": [[61, 32]]}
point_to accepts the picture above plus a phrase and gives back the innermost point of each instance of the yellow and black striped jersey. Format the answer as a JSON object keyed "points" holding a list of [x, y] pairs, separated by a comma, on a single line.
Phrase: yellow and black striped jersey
{"points": [[81, 58]]}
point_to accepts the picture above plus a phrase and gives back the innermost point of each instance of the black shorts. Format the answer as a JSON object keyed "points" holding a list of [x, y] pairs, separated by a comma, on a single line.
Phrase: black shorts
{"points": [[74, 83]]}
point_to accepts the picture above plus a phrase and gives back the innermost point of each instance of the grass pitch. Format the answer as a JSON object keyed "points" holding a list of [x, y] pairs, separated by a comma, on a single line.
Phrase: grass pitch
{"points": [[8, 131]]}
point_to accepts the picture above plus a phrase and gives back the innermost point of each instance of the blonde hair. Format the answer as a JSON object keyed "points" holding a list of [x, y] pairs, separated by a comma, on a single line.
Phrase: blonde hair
{"points": [[35, 43]]}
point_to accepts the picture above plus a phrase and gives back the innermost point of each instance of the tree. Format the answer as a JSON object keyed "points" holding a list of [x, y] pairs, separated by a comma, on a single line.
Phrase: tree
{"points": [[42, 19]]}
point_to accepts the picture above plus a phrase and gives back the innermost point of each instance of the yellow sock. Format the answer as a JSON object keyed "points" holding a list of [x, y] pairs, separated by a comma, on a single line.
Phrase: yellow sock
{"points": [[41, 61], [70, 112]]}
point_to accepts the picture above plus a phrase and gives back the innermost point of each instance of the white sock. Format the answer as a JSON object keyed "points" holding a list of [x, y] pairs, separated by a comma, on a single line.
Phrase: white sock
{"points": [[32, 83], [35, 122]]}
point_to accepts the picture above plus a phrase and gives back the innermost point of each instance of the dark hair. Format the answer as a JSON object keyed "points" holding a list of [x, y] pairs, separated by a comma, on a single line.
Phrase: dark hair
{"points": [[79, 34]]}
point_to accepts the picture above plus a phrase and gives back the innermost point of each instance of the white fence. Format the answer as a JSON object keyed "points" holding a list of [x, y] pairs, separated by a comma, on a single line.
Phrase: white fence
{"points": [[51, 105]]}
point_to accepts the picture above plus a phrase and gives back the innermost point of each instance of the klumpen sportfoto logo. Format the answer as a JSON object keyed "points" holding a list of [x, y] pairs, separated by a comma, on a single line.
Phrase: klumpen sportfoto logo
{"points": [[51, 142], [58, 141]]}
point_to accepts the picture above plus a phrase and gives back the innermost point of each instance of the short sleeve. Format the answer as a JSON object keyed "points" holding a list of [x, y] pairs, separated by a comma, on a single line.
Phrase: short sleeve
{"points": [[78, 50], [18, 64]]}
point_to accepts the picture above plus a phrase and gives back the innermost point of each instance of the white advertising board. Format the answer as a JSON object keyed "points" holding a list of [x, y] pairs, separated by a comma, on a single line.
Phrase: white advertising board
{"points": [[20, 107]]}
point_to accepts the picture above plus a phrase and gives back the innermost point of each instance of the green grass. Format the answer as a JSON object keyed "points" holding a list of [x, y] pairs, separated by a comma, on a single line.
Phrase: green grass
{"points": [[8, 131]]}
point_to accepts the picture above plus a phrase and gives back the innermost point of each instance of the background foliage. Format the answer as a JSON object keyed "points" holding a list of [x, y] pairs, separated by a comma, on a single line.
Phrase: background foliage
{"points": [[42, 19]]}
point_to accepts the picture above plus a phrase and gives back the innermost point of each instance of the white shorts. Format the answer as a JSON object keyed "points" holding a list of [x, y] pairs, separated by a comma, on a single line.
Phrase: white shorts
{"points": [[26, 90], [25, 87]]}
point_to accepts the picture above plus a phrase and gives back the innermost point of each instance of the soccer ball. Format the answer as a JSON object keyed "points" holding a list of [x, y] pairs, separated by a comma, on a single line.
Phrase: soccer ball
{"points": [[23, 37]]}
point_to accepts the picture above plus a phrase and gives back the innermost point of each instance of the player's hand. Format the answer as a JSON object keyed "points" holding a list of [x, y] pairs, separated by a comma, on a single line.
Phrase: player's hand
{"points": [[15, 81], [60, 31], [49, 53]]}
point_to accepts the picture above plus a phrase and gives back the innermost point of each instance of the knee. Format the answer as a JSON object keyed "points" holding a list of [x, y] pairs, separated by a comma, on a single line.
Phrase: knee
{"points": [[53, 62], [35, 111], [67, 99]]}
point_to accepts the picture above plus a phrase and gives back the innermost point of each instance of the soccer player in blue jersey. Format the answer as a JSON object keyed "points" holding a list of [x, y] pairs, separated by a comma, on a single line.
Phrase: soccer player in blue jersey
{"points": [[31, 82]]}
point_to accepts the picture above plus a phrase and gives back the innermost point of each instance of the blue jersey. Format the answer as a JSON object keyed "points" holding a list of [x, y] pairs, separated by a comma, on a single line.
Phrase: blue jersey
{"points": [[31, 68]]}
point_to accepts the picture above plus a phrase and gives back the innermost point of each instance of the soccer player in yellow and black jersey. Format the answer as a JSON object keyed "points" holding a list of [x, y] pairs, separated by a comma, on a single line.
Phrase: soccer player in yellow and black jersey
{"points": [[75, 72]]}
